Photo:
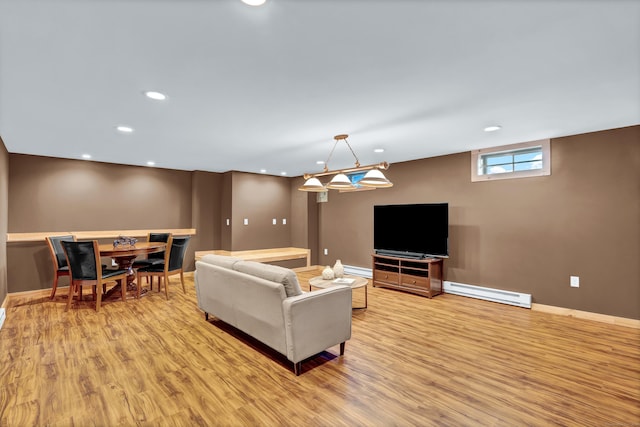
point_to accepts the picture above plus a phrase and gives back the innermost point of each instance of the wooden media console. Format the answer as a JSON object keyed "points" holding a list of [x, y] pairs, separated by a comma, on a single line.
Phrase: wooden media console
{"points": [[418, 276]]}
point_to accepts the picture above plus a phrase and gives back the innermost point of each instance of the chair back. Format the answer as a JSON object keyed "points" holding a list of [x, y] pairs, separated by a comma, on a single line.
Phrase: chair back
{"points": [[157, 237], [57, 252], [83, 259], [177, 251]]}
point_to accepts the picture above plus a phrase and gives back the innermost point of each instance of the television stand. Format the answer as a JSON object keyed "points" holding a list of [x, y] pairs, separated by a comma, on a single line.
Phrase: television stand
{"points": [[418, 276]]}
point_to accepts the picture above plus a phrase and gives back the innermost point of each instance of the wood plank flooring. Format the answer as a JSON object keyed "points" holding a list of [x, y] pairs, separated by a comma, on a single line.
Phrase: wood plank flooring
{"points": [[412, 361]]}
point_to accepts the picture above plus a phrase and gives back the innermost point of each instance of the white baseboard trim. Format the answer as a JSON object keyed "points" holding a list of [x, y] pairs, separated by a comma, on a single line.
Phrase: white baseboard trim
{"points": [[496, 295], [358, 271]]}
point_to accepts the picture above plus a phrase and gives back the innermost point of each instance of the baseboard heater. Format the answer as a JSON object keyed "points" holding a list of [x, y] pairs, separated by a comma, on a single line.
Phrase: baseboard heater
{"points": [[489, 294], [358, 271]]}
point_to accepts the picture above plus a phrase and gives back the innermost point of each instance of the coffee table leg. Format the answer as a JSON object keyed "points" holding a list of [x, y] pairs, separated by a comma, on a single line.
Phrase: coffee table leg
{"points": [[366, 303]]}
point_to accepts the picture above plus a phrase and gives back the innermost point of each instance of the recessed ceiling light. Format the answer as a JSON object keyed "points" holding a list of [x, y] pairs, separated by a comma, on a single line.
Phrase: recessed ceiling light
{"points": [[254, 2], [86, 156], [124, 129], [263, 171], [151, 163], [492, 128], [283, 173], [320, 162], [378, 150], [155, 95]]}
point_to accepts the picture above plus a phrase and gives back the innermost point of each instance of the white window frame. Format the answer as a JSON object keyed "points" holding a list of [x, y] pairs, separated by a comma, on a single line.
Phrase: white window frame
{"points": [[477, 155]]}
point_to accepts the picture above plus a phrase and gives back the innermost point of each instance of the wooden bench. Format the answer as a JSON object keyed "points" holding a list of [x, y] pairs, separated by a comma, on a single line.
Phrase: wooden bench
{"points": [[263, 255]]}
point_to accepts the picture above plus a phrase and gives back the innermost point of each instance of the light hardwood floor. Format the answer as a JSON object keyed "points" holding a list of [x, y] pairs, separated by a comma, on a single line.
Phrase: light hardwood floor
{"points": [[412, 361]]}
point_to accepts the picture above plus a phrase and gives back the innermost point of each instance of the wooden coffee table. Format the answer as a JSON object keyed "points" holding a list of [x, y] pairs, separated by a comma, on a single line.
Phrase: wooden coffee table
{"points": [[352, 281]]}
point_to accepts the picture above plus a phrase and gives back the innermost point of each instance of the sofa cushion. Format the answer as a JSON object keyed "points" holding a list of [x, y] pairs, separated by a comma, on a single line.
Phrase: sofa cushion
{"points": [[220, 260], [273, 273]]}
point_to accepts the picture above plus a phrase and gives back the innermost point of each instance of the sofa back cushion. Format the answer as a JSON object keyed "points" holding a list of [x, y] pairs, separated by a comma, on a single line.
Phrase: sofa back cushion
{"points": [[220, 260], [273, 273]]}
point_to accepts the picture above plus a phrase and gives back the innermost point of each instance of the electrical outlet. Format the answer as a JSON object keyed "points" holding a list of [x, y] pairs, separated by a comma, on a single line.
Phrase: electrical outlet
{"points": [[227, 221], [326, 251], [246, 221], [284, 221], [575, 282], [275, 221]]}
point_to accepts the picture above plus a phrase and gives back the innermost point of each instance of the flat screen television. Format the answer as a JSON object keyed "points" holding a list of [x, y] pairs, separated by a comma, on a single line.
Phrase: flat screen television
{"points": [[412, 231]]}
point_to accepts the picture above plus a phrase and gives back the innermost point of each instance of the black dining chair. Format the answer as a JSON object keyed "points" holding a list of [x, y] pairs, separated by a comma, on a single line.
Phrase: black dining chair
{"points": [[83, 259], [172, 264], [60, 267], [155, 257]]}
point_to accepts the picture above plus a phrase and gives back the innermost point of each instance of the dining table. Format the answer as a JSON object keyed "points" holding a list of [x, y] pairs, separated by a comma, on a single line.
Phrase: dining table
{"points": [[124, 255]]}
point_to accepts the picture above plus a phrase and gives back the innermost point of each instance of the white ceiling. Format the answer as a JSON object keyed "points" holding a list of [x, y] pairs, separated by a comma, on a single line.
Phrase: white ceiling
{"points": [[268, 87]]}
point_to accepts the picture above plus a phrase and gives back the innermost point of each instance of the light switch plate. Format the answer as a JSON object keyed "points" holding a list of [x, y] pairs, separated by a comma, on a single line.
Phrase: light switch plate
{"points": [[575, 282]]}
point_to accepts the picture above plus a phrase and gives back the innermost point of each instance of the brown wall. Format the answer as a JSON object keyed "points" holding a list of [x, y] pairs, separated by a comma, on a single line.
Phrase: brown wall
{"points": [[226, 211], [49, 194], [260, 199], [526, 235], [206, 193], [4, 218]]}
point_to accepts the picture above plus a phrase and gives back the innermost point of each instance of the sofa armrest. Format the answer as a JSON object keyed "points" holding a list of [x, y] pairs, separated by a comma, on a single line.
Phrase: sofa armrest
{"points": [[317, 320]]}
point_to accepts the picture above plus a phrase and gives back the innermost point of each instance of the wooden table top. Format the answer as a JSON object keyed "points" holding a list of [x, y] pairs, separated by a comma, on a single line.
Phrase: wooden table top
{"points": [[140, 248], [319, 282]]}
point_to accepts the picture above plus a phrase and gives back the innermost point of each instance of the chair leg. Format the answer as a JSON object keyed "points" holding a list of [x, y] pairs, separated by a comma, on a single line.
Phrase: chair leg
{"points": [[166, 286], [139, 285], [123, 290], [70, 298], [182, 281], [55, 285], [98, 299]]}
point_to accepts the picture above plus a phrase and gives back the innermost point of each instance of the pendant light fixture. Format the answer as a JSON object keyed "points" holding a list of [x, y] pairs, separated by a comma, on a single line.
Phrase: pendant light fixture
{"points": [[374, 178]]}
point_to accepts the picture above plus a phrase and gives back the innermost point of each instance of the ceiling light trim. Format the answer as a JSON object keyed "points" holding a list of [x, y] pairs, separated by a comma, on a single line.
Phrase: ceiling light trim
{"points": [[155, 95]]}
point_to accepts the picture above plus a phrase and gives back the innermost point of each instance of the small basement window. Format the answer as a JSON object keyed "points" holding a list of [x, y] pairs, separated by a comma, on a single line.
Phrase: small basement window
{"points": [[522, 160]]}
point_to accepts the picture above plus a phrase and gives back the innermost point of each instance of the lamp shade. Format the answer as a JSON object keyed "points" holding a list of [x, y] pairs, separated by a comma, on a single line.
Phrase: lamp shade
{"points": [[313, 184], [340, 181], [376, 179]]}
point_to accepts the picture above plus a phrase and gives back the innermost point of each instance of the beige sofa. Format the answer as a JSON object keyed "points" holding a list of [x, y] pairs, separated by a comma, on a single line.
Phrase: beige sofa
{"points": [[266, 302]]}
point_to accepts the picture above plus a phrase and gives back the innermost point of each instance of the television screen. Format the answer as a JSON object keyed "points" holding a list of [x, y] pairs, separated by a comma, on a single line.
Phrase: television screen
{"points": [[416, 231]]}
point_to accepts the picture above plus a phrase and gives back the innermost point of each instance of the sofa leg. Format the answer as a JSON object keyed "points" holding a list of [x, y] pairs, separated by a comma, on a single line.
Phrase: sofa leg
{"points": [[206, 316], [342, 348], [297, 368]]}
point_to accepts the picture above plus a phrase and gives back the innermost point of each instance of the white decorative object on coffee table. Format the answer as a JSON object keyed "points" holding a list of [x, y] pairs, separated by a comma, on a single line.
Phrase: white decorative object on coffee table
{"points": [[338, 269], [327, 273]]}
